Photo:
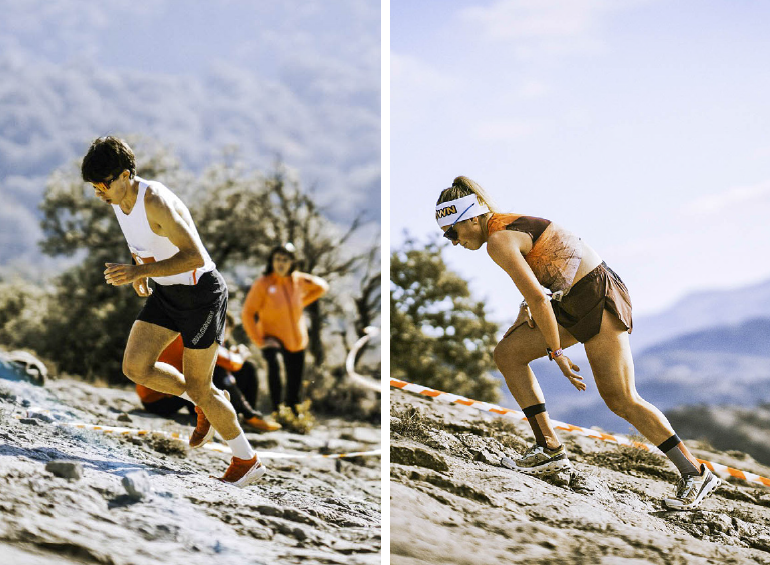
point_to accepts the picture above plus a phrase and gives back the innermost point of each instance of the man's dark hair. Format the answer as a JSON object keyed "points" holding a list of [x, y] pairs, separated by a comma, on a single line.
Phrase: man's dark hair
{"points": [[285, 249], [107, 158]]}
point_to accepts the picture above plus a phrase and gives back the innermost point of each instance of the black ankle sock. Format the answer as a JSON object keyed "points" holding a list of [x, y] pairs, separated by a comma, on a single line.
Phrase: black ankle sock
{"points": [[531, 412]]}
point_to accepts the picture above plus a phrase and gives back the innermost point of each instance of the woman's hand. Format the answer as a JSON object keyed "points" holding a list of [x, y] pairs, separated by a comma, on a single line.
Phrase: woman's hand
{"points": [[271, 342], [568, 368], [525, 316]]}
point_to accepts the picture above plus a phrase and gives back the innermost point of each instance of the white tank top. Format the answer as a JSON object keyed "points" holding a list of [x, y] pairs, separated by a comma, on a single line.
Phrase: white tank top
{"points": [[148, 247]]}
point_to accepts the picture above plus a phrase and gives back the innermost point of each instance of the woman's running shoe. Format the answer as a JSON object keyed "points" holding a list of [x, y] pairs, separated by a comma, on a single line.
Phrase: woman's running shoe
{"points": [[692, 489], [261, 424], [539, 460]]}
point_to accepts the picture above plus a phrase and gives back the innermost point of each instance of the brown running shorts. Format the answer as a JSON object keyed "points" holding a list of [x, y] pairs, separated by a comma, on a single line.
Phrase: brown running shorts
{"points": [[580, 311]]}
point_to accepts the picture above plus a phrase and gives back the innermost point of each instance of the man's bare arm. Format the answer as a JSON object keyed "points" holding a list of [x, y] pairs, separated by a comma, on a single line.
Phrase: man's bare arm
{"points": [[166, 220]]}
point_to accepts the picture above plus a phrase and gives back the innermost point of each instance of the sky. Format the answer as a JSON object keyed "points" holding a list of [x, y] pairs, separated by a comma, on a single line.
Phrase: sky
{"points": [[643, 126], [296, 80]]}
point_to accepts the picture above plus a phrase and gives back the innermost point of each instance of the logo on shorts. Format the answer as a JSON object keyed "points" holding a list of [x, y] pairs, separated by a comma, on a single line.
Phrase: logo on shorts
{"points": [[203, 329]]}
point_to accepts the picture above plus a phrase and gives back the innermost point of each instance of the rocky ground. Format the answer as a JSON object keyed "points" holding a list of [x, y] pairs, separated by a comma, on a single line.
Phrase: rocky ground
{"points": [[136, 500], [452, 503]]}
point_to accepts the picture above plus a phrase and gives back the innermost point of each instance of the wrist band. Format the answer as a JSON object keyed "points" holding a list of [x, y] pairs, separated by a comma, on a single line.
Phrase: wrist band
{"points": [[554, 354]]}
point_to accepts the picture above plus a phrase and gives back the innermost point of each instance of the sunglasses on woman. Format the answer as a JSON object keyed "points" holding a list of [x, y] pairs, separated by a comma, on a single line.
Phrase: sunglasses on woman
{"points": [[451, 233]]}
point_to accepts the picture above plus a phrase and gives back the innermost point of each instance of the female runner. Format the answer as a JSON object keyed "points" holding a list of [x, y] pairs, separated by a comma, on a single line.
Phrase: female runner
{"points": [[588, 303]]}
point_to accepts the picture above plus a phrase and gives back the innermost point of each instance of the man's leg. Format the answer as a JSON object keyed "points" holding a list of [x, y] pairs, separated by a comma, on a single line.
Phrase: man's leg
{"points": [[198, 371], [140, 361], [168, 406]]}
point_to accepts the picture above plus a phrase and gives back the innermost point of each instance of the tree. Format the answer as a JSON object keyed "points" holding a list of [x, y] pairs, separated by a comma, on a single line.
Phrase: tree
{"points": [[240, 216], [439, 336]]}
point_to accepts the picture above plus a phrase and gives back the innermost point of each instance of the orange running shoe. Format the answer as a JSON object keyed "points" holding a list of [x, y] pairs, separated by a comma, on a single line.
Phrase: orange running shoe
{"points": [[203, 431], [262, 425], [242, 472]]}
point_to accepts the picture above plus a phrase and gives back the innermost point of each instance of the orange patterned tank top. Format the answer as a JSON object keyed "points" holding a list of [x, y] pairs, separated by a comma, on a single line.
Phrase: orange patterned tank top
{"points": [[556, 253]]}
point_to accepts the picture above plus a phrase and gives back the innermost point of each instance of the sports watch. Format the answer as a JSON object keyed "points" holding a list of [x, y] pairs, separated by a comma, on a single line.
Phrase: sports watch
{"points": [[554, 354]]}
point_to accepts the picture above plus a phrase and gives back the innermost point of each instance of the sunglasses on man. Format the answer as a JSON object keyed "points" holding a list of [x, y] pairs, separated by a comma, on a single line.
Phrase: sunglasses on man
{"points": [[106, 183], [451, 233]]}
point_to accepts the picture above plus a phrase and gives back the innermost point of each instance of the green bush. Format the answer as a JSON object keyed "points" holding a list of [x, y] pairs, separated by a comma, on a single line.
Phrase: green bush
{"points": [[439, 336]]}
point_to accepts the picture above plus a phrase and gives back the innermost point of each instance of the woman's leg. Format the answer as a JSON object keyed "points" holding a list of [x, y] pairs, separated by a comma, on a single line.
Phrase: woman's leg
{"points": [[294, 362], [609, 354], [512, 357], [248, 382], [273, 375]]}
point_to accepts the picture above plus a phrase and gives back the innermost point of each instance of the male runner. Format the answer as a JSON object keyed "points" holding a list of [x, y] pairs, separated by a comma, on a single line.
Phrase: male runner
{"points": [[190, 297]]}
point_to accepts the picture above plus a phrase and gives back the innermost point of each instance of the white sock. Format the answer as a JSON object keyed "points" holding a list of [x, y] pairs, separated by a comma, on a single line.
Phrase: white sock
{"points": [[241, 447]]}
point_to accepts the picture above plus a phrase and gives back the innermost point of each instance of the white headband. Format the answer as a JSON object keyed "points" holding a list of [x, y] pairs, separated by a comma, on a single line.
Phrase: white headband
{"points": [[447, 213]]}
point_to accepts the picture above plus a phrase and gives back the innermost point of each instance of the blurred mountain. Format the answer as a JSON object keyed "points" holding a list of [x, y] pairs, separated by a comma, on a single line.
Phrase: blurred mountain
{"points": [[702, 310], [297, 82], [728, 428]]}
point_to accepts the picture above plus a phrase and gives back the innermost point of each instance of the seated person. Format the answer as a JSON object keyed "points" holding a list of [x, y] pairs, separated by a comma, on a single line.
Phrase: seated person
{"points": [[231, 373]]}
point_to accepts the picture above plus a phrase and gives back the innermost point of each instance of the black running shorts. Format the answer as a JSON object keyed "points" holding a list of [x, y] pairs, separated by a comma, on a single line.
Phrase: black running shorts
{"points": [[195, 311]]}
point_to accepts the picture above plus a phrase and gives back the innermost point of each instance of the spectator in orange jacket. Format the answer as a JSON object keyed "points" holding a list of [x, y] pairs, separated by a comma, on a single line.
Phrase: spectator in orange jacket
{"points": [[231, 373], [272, 317]]}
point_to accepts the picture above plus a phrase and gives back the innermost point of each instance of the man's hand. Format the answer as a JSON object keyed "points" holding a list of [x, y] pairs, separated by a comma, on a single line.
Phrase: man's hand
{"points": [[568, 368], [142, 287], [118, 274]]}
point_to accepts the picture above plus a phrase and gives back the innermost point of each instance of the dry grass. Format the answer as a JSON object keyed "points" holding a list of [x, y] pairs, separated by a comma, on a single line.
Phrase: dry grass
{"points": [[300, 423]]}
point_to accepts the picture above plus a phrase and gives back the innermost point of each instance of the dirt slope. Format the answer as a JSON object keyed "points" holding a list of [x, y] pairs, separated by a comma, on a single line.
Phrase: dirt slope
{"points": [[452, 503], [308, 510]]}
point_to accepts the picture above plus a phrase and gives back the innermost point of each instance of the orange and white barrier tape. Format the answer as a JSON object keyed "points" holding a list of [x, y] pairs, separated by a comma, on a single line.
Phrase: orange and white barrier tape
{"points": [[350, 361], [210, 445], [517, 415], [217, 446]]}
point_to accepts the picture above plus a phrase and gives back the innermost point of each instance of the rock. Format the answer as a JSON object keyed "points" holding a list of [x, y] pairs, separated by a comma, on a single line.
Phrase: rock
{"points": [[25, 403], [42, 416], [65, 469], [137, 485], [761, 542], [29, 421], [417, 456], [444, 441], [125, 418]]}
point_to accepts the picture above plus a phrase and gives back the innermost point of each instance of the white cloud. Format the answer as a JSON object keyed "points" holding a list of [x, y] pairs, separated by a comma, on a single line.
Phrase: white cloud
{"points": [[497, 130], [294, 80], [537, 27], [738, 197], [409, 73], [531, 89]]}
